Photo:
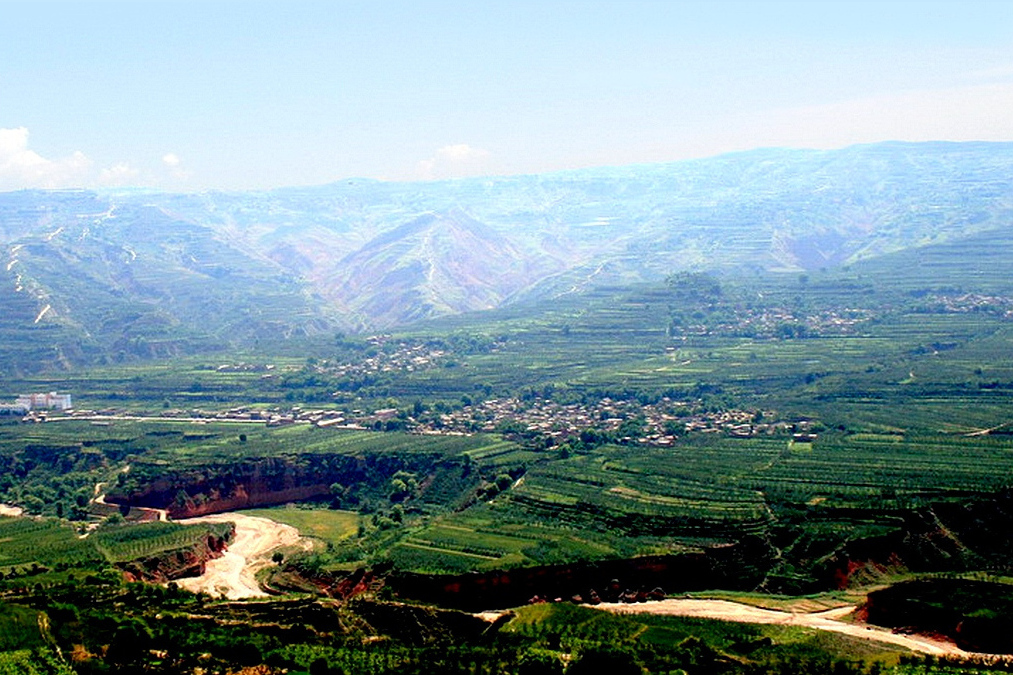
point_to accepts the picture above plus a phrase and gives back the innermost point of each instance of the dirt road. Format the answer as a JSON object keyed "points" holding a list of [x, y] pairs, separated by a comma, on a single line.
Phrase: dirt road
{"points": [[234, 574], [160, 514], [828, 620]]}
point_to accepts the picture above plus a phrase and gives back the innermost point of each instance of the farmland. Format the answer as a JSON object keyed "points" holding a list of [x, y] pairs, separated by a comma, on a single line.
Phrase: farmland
{"points": [[45, 550], [328, 526], [783, 434], [623, 421]]}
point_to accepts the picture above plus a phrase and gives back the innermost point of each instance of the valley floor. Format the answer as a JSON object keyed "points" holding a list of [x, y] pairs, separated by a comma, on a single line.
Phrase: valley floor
{"points": [[233, 575]]}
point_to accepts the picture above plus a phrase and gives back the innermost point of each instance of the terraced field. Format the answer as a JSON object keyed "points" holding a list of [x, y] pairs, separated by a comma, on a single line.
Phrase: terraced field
{"points": [[36, 548], [135, 542], [862, 467], [616, 491], [620, 500], [488, 538], [30, 541]]}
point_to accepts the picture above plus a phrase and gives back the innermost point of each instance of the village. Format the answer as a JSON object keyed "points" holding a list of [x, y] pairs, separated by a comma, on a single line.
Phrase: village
{"points": [[627, 421]]}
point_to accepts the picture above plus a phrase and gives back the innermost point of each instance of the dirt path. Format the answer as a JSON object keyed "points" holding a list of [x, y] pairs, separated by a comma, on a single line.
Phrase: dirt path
{"points": [[828, 620], [234, 574], [160, 514]]}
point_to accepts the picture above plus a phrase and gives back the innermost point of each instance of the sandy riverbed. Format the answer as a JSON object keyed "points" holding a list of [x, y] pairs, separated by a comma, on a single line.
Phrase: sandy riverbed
{"points": [[234, 574], [14, 511]]}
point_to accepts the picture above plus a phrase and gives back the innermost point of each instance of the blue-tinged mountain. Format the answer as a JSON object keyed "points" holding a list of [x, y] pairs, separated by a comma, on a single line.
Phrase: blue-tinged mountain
{"points": [[787, 210], [436, 264], [89, 279], [128, 274]]}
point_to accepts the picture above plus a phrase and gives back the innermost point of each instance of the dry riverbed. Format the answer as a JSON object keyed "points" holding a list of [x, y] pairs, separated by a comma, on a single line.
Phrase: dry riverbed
{"points": [[233, 575], [829, 620], [12, 511]]}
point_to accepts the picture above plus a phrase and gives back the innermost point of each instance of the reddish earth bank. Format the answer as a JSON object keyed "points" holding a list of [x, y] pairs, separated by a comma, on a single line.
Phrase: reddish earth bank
{"points": [[178, 564], [338, 585], [261, 481], [247, 484]]}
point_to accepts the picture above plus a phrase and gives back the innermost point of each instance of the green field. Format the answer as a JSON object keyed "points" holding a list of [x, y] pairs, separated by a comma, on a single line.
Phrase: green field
{"points": [[489, 537], [330, 527], [20, 628]]}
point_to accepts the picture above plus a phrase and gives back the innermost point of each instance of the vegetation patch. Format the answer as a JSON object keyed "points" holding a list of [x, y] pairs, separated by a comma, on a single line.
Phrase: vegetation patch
{"points": [[330, 527]]}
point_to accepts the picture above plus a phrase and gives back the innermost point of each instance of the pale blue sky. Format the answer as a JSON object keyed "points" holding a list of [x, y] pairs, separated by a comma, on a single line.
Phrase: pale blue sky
{"points": [[197, 95]]}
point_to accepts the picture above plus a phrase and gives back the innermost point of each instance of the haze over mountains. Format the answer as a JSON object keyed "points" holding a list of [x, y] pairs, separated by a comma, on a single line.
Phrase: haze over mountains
{"points": [[91, 274]]}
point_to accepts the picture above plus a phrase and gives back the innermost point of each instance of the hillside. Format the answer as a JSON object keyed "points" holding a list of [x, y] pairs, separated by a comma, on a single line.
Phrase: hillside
{"points": [[121, 275], [437, 264]]}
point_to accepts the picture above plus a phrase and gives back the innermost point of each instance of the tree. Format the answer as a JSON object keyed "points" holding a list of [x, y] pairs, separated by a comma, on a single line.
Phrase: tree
{"points": [[539, 663], [604, 660]]}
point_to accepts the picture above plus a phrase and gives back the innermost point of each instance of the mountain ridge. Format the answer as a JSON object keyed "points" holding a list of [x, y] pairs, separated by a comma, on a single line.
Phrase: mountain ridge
{"points": [[120, 268]]}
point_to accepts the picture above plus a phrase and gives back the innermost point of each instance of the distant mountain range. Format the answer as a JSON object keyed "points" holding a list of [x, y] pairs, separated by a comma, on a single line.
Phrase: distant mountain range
{"points": [[118, 274]]}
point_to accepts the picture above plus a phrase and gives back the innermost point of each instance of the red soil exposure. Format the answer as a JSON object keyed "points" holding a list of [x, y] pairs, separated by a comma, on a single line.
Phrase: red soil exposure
{"points": [[178, 564]]}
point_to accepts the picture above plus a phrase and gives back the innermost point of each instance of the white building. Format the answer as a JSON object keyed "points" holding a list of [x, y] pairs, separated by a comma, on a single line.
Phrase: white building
{"points": [[50, 401]]}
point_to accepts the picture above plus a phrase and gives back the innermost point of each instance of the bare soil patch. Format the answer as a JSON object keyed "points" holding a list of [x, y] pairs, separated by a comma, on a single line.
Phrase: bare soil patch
{"points": [[234, 575]]}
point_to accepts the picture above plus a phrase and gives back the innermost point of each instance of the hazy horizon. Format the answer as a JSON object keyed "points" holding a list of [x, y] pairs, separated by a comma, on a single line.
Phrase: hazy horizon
{"points": [[184, 96]]}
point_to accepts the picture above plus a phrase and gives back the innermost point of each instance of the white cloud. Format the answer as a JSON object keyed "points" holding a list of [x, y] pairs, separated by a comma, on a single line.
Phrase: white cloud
{"points": [[175, 166], [21, 167], [454, 161], [119, 175]]}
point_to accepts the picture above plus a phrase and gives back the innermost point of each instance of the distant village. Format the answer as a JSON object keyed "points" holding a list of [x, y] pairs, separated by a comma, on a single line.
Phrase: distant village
{"points": [[625, 421], [620, 421]]}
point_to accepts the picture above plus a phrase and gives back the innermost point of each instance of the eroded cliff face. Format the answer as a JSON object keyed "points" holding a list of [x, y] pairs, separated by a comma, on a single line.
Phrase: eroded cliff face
{"points": [[959, 535], [738, 565], [266, 481], [247, 496], [179, 563], [246, 484], [339, 585]]}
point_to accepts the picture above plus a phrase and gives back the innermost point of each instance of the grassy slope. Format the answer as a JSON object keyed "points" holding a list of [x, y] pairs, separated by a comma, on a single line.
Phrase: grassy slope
{"points": [[330, 527]]}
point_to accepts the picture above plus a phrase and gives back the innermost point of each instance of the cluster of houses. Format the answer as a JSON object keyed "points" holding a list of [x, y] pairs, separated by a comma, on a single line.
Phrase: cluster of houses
{"points": [[773, 322], [972, 302], [660, 423], [385, 357]]}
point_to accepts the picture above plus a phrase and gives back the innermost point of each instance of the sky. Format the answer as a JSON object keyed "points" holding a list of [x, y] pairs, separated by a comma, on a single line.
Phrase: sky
{"points": [[235, 95]]}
